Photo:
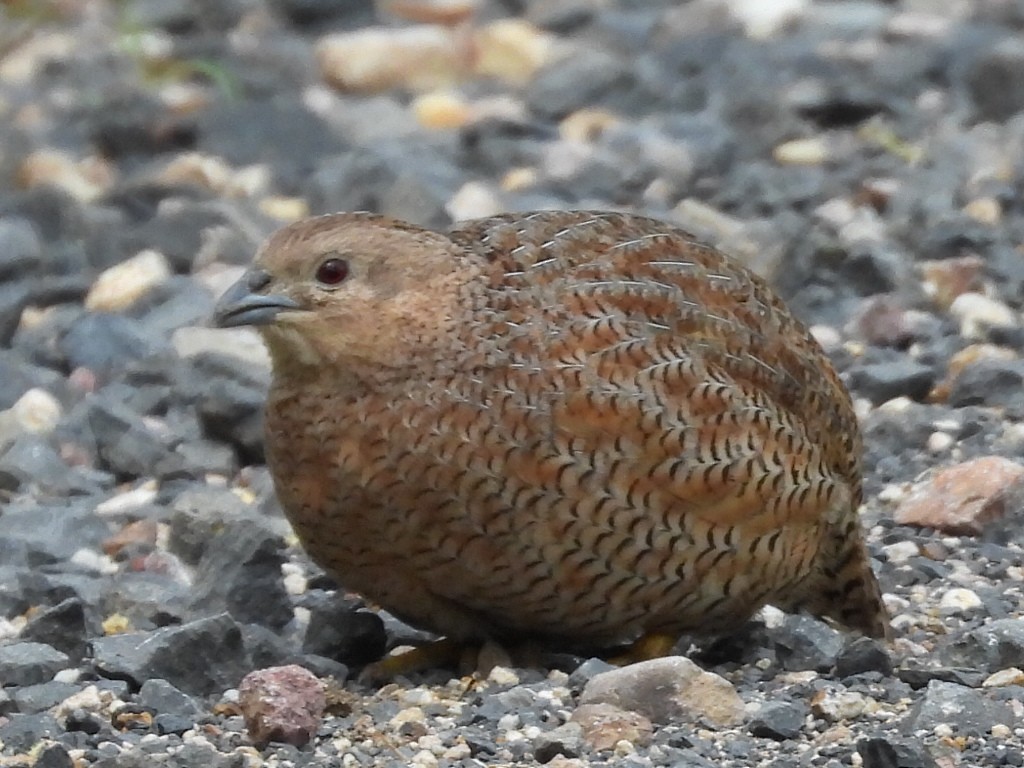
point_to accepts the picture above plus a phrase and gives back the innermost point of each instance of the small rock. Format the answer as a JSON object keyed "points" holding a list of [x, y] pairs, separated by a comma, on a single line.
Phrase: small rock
{"points": [[511, 50], [812, 151], [778, 720], [961, 499], [64, 626], [945, 280], [1009, 676], [282, 704], [965, 709], [995, 80], [805, 643], [240, 573], [587, 670], [42, 696], [989, 648], [338, 631], [863, 654], [978, 313], [839, 705], [439, 110], [22, 732], [122, 285], [565, 740], [901, 551], [878, 753], [605, 725], [54, 756], [201, 657], [105, 342], [474, 200], [373, 59], [986, 210], [85, 180], [903, 377], [959, 601], [991, 382], [670, 689], [164, 699], [28, 663], [37, 411]]}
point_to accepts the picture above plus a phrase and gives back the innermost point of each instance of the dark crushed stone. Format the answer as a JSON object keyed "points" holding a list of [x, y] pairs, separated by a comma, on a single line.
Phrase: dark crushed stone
{"points": [[702, 107]]}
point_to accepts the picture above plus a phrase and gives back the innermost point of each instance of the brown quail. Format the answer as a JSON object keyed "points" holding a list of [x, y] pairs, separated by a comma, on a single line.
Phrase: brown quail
{"points": [[578, 428]]}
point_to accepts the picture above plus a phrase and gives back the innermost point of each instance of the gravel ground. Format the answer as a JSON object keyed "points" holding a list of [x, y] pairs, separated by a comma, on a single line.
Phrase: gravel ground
{"points": [[867, 157]]}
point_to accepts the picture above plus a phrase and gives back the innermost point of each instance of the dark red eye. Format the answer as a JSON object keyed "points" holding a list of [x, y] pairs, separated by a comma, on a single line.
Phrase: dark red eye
{"points": [[332, 271]]}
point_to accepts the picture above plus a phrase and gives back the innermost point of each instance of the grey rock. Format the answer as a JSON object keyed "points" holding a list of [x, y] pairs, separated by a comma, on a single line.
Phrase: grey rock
{"points": [[898, 378], [105, 342], [993, 646], [200, 658], [339, 14], [14, 297], [149, 599], [42, 696], [590, 78], [64, 626], [993, 383], [969, 711], [198, 514], [995, 80], [778, 720], [669, 689], [229, 399], [22, 732], [863, 654], [28, 663], [585, 671], [163, 698], [35, 534], [20, 248], [806, 643], [173, 724], [565, 740], [124, 444], [31, 461], [54, 756], [265, 647], [289, 138], [340, 632], [390, 179], [18, 375], [241, 573]]}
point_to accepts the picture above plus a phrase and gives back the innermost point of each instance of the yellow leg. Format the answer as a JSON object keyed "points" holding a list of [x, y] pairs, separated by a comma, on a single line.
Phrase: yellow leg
{"points": [[651, 646], [439, 653]]}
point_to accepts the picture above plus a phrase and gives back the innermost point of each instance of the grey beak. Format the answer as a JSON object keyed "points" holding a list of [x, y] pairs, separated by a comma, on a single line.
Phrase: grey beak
{"points": [[243, 304]]}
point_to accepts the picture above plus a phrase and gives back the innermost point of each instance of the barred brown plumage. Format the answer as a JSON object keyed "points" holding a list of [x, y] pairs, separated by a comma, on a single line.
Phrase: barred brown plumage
{"points": [[575, 427]]}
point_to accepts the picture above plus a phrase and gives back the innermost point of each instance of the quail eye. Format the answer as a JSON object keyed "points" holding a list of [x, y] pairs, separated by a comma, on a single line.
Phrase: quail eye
{"points": [[332, 272]]}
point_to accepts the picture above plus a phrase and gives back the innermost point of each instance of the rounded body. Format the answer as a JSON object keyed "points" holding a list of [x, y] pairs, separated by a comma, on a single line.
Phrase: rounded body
{"points": [[624, 432]]}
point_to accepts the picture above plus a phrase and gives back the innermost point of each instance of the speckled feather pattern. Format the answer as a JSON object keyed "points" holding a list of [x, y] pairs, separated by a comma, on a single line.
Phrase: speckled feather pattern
{"points": [[623, 432]]}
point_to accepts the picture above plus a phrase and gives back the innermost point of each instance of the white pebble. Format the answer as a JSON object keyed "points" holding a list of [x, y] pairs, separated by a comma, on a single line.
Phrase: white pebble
{"points": [[37, 411], [94, 561], [503, 676], [901, 551], [978, 312], [960, 600], [624, 747], [424, 759], [123, 284], [940, 442], [129, 501], [1000, 731]]}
